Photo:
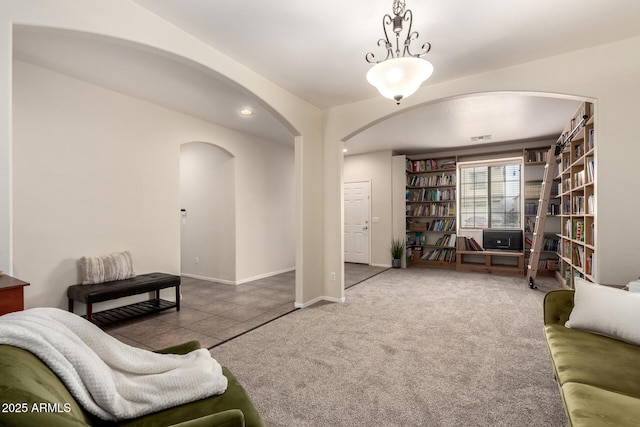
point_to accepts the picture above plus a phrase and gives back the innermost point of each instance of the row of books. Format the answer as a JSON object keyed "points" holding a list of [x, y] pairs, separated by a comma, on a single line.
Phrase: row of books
{"points": [[448, 224], [549, 243], [468, 244], [577, 205], [432, 209], [548, 264], [429, 165], [431, 180], [442, 255], [591, 166], [536, 156], [431, 195], [575, 229], [532, 190], [448, 240], [529, 225]]}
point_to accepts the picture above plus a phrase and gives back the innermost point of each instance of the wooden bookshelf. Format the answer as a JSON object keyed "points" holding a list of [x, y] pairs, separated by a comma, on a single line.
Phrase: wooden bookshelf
{"points": [[577, 175], [534, 163], [431, 212]]}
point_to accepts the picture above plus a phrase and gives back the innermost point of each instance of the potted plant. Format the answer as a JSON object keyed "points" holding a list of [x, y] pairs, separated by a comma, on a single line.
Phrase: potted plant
{"points": [[397, 252]]}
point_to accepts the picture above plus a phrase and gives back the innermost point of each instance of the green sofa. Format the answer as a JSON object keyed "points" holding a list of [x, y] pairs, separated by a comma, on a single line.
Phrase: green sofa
{"points": [[598, 377], [32, 395]]}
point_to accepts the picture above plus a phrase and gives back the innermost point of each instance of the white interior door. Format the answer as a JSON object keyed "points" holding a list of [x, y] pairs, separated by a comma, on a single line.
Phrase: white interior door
{"points": [[356, 221]]}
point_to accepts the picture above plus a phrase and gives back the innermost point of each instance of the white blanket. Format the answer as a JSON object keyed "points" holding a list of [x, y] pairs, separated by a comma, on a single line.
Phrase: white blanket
{"points": [[110, 379]]}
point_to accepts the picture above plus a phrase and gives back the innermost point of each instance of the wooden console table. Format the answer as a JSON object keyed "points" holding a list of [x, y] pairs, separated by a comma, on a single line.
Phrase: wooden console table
{"points": [[488, 266], [11, 294]]}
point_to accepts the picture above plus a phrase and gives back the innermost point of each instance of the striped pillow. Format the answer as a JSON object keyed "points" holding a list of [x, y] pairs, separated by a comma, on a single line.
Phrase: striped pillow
{"points": [[107, 268]]}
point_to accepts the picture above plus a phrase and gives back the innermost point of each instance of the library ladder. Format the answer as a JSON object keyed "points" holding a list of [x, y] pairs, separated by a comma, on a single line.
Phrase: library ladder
{"points": [[541, 216]]}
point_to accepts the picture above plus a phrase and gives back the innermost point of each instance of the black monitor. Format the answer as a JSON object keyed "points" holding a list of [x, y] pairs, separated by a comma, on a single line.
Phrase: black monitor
{"points": [[504, 240]]}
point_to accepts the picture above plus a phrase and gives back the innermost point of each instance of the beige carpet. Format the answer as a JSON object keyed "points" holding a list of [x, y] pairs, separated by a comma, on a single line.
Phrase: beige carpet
{"points": [[415, 347]]}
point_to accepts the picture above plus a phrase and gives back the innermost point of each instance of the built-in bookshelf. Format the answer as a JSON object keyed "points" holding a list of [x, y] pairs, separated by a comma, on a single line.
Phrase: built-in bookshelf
{"points": [[534, 162], [431, 212], [577, 176]]}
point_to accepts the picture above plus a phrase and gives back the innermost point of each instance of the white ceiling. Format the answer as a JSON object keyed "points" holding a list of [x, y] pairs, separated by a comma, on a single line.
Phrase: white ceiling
{"points": [[316, 50]]}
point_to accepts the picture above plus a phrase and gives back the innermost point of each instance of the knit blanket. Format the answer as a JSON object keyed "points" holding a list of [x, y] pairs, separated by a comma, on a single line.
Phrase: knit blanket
{"points": [[108, 378]]}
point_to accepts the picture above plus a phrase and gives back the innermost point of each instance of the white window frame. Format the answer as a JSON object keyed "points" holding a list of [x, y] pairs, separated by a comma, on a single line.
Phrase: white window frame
{"points": [[489, 163]]}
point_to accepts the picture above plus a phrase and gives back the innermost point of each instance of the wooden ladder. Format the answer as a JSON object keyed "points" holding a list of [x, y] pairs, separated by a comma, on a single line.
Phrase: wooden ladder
{"points": [[541, 216]]}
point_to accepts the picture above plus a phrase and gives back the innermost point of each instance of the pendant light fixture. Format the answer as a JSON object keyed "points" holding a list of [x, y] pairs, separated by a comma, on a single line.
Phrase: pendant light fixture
{"points": [[401, 72]]}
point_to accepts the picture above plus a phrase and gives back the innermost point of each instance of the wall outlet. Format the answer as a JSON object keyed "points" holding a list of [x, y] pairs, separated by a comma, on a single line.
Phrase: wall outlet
{"points": [[333, 276], [197, 260]]}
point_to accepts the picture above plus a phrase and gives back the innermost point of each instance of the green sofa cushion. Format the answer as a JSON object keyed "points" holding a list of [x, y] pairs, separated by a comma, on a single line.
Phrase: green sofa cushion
{"points": [[587, 358], [25, 379], [589, 406]]}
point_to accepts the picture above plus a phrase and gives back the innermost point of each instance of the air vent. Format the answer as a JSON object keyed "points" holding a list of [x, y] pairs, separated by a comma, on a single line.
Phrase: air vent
{"points": [[481, 138]]}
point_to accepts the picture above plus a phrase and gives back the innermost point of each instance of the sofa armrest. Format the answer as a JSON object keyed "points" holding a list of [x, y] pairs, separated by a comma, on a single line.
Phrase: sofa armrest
{"points": [[557, 306], [229, 418], [183, 348]]}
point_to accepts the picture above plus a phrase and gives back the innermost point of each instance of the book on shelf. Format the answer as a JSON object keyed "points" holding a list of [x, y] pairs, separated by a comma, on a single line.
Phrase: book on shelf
{"points": [[591, 139], [578, 179], [431, 195], [591, 207], [591, 171], [431, 209], [529, 225], [468, 244], [578, 205], [536, 156], [442, 255], [578, 230], [427, 165], [532, 190]]}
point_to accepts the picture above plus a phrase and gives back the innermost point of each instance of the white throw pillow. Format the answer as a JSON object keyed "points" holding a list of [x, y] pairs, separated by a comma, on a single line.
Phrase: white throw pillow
{"points": [[606, 311], [107, 268]]}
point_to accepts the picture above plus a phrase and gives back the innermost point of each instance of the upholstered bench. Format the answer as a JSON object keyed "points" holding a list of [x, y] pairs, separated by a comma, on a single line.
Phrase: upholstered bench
{"points": [[144, 283]]}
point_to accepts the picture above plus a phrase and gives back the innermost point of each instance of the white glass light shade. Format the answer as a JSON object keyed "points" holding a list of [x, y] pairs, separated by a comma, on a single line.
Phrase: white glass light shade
{"points": [[399, 77]]}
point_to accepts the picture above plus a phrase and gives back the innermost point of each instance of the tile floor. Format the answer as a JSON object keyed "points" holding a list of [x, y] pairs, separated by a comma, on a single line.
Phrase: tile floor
{"points": [[214, 312]]}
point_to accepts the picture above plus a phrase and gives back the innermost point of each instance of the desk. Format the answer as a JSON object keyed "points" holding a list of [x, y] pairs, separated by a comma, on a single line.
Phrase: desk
{"points": [[11, 294]]}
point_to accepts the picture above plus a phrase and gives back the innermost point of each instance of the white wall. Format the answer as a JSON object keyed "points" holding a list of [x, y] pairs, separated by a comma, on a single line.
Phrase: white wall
{"points": [[125, 21], [377, 168], [208, 225], [95, 171]]}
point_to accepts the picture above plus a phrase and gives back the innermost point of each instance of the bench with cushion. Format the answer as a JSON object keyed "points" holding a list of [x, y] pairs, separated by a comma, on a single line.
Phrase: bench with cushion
{"points": [[144, 283]]}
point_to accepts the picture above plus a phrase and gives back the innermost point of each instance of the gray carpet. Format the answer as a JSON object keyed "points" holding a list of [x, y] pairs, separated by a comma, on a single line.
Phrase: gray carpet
{"points": [[414, 347]]}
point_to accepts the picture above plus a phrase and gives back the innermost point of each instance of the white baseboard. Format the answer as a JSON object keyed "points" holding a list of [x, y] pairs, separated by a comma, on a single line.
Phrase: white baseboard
{"points": [[317, 300], [239, 282], [263, 276], [208, 279], [382, 265]]}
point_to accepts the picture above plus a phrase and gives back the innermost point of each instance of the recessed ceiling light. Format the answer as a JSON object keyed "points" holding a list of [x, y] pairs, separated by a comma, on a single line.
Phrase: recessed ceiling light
{"points": [[246, 112], [344, 150]]}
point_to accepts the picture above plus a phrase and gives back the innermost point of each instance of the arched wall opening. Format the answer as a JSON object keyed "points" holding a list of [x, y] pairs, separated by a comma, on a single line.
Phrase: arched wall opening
{"points": [[208, 212], [380, 162], [108, 168]]}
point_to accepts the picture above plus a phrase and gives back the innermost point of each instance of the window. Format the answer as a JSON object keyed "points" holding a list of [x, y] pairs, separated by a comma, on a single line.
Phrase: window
{"points": [[490, 194]]}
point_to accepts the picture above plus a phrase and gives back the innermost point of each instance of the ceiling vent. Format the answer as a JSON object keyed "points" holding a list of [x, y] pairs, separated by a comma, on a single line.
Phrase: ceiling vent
{"points": [[481, 138]]}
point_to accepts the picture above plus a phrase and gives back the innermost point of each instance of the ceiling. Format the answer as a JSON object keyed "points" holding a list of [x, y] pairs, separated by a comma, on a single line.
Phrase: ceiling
{"points": [[316, 50]]}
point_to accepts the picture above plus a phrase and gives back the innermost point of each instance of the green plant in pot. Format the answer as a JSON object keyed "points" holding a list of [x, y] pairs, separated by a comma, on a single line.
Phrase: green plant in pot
{"points": [[397, 252]]}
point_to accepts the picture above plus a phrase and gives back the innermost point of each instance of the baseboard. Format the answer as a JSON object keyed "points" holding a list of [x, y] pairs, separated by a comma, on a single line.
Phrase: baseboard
{"points": [[239, 282], [382, 265], [263, 276], [209, 279], [317, 300]]}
